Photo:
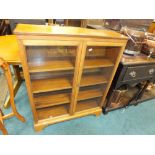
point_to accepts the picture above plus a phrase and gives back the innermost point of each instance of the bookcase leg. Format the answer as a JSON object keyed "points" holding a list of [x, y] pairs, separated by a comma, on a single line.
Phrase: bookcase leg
{"points": [[98, 113], [39, 128]]}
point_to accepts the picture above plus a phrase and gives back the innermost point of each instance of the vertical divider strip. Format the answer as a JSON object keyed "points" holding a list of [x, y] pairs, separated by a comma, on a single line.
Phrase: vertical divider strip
{"points": [[77, 75]]}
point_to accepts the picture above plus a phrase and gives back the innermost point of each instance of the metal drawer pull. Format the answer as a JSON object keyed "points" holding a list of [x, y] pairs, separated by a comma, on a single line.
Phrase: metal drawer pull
{"points": [[132, 74], [151, 71]]}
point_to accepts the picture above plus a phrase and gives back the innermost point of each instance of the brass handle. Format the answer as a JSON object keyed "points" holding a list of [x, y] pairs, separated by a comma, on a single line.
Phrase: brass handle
{"points": [[151, 71], [132, 74]]}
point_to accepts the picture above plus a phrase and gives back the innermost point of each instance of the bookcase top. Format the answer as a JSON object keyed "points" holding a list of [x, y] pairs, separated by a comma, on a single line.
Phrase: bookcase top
{"points": [[28, 29]]}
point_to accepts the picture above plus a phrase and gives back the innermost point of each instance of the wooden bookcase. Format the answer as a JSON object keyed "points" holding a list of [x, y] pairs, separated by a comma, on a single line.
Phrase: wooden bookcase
{"points": [[68, 71]]}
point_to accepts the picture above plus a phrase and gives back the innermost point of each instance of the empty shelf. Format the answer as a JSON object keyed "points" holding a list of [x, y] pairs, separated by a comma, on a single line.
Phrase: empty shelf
{"points": [[88, 94], [51, 100], [46, 85], [54, 111], [53, 65], [88, 80], [85, 105], [97, 62]]}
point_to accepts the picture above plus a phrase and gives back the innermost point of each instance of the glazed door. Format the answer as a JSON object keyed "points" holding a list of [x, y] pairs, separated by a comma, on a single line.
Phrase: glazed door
{"points": [[52, 69], [98, 65]]}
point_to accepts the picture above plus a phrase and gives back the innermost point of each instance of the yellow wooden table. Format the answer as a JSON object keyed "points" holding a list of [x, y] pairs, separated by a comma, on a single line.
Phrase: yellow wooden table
{"points": [[9, 51]]}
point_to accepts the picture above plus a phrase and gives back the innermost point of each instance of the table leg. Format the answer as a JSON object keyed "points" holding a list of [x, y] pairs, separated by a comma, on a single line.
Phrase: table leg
{"points": [[17, 84], [142, 91], [3, 129]]}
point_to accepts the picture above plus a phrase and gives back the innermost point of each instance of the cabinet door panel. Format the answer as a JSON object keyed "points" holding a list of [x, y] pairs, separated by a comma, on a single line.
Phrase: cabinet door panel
{"points": [[53, 68], [98, 67]]}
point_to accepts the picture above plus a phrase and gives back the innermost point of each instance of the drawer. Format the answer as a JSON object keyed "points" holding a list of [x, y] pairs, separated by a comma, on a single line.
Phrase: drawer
{"points": [[136, 72]]}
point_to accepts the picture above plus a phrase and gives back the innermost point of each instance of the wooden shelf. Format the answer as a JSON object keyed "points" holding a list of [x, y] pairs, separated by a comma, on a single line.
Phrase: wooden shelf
{"points": [[60, 65], [97, 62], [53, 84], [49, 116], [88, 80], [85, 105], [88, 94], [53, 65], [54, 111], [51, 100], [46, 85]]}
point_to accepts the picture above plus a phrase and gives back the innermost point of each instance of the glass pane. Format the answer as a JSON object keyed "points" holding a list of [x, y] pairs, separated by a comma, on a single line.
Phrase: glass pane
{"points": [[51, 71], [98, 66]]}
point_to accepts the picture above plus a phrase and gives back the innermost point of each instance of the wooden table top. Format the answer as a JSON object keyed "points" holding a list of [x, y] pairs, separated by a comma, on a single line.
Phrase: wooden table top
{"points": [[9, 49], [139, 59]]}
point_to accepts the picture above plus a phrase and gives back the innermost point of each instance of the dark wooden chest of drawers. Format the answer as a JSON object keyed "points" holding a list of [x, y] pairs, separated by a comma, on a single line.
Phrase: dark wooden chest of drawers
{"points": [[131, 72]]}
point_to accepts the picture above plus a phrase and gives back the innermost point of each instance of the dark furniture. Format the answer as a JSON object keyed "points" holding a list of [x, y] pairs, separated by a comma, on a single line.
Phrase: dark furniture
{"points": [[4, 27], [129, 86], [117, 24], [14, 22]]}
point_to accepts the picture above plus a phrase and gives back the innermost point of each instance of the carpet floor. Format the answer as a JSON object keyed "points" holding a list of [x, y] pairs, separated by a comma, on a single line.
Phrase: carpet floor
{"points": [[135, 120]]}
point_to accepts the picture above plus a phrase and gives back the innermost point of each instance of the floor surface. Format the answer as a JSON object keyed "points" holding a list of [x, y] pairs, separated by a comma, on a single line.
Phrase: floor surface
{"points": [[131, 121]]}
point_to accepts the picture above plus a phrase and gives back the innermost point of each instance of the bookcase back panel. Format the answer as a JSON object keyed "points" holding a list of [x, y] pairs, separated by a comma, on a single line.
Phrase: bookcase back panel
{"points": [[50, 52], [53, 74]]}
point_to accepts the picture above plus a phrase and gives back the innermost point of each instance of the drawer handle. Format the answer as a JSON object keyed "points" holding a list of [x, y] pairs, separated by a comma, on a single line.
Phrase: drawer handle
{"points": [[151, 71], [132, 74]]}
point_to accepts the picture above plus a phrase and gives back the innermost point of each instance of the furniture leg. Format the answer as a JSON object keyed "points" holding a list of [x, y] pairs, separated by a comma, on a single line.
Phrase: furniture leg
{"points": [[1, 113], [1, 116], [134, 97], [16, 85], [142, 91], [98, 114], [139, 94], [11, 90], [3, 129], [8, 76]]}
